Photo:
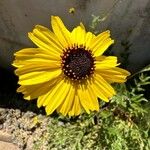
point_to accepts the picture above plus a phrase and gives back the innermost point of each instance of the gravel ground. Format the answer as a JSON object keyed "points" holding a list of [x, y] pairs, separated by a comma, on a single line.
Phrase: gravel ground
{"points": [[25, 127]]}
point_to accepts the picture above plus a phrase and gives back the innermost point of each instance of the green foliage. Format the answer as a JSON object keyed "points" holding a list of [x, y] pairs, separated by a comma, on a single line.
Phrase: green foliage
{"points": [[102, 17], [122, 124], [95, 21]]}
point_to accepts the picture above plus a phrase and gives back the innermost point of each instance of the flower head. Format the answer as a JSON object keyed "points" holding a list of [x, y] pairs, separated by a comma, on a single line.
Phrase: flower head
{"points": [[67, 71]]}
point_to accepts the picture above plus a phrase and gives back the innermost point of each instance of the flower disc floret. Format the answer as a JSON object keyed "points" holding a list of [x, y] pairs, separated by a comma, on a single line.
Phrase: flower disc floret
{"points": [[77, 63]]}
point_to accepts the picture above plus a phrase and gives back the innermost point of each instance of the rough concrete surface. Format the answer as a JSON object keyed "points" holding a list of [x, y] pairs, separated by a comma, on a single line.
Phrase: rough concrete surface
{"points": [[128, 20]]}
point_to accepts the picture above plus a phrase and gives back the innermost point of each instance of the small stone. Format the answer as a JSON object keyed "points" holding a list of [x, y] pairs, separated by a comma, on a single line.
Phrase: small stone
{"points": [[60, 123], [5, 136], [18, 113], [8, 146]]}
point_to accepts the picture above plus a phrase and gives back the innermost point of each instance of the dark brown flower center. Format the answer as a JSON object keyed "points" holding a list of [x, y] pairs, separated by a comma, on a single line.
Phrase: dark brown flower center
{"points": [[77, 63]]}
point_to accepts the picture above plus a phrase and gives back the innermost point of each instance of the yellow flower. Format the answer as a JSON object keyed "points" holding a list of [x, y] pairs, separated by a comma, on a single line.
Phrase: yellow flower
{"points": [[68, 71]]}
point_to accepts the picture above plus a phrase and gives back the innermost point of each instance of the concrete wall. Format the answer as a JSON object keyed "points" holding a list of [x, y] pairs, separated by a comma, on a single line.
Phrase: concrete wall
{"points": [[128, 20]]}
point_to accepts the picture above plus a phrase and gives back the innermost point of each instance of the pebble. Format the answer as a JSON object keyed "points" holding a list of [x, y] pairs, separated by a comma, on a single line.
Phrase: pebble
{"points": [[8, 146]]}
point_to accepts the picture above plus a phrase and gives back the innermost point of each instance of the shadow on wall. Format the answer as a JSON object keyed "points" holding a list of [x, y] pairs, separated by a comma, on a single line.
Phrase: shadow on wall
{"points": [[128, 21]]}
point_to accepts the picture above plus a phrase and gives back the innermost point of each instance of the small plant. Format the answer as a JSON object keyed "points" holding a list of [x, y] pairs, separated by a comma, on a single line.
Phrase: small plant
{"points": [[95, 21], [122, 124]]}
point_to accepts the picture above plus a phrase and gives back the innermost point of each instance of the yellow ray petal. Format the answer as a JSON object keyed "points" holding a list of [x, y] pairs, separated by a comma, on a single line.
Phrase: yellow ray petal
{"points": [[99, 39], [34, 91], [36, 66], [49, 38], [39, 55], [57, 96], [27, 52], [76, 107], [84, 99], [106, 63], [114, 74], [122, 71], [45, 46], [26, 56], [44, 100], [78, 36], [49, 88], [100, 43], [88, 39], [94, 98], [61, 31], [100, 58], [104, 86], [68, 102], [95, 92], [90, 102], [99, 93], [48, 57], [38, 77], [54, 90], [100, 49]]}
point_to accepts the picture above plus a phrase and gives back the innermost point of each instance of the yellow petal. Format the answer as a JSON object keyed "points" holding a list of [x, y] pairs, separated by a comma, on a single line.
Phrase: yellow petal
{"points": [[122, 71], [38, 77], [100, 43], [84, 99], [36, 66], [100, 49], [88, 39], [101, 88], [104, 86], [46, 36], [91, 101], [34, 91], [100, 94], [26, 52], [57, 96], [49, 88], [26, 56], [78, 36], [106, 63], [50, 35], [76, 107], [68, 102], [94, 98], [43, 100], [61, 31], [87, 99], [114, 74], [100, 38], [45, 46]]}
